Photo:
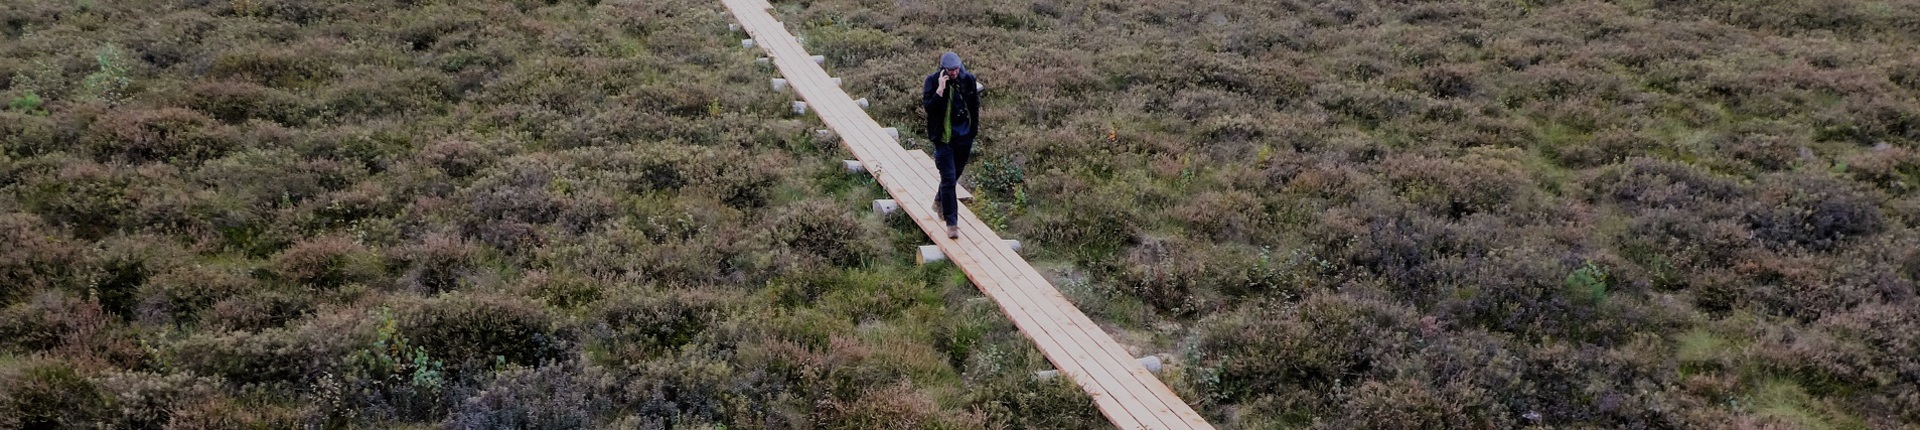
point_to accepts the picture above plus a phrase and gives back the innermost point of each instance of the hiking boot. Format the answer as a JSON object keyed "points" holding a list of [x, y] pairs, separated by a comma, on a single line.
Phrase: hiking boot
{"points": [[953, 232]]}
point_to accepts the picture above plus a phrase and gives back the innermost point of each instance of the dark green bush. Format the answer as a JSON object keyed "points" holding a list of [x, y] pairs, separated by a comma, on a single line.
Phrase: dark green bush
{"points": [[472, 332], [88, 199], [651, 323], [823, 231], [279, 68], [556, 396], [50, 394], [180, 294], [265, 357], [1816, 212], [1316, 345]]}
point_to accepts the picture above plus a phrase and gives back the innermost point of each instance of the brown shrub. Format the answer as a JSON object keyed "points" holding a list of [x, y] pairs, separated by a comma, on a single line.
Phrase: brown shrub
{"points": [[178, 295], [326, 263], [280, 68], [438, 263], [236, 102], [39, 257], [165, 134]]}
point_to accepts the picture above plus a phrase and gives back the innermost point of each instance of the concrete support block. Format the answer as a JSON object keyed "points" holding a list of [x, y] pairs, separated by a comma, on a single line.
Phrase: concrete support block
{"points": [[886, 206], [799, 108], [779, 84], [747, 43], [853, 166]]}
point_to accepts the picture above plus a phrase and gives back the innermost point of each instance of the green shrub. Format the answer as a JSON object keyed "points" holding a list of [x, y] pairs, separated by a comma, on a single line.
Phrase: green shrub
{"points": [[182, 293], [558, 396], [472, 332], [50, 394], [652, 323], [279, 68], [265, 357], [153, 400], [823, 231], [88, 199]]}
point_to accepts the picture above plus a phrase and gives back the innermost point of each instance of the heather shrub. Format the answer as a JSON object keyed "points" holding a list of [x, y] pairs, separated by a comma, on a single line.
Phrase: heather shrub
{"points": [[1816, 212], [457, 158], [437, 263], [256, 310], [893, 407], [50, 394], [28, 135], [472, 332], [557, 396], [1017, 401], [279, 68], [88, 199], [271, 356], [1645, 183], [820, 230], [1481, 182], [158, 135], [326, 263], [123, 264], [153, 400], [236, 102], [178, 294], [385, 92], [1313, 346], [652, 323], [39, 257]]}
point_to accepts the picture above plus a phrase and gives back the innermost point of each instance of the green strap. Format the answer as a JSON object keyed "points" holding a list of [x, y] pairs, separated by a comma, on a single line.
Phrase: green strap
{"points": [[949, 116]]}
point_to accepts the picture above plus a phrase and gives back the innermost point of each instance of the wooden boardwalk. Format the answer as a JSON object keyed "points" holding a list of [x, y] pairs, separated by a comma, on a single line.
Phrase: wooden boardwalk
{"points": [[1124, 391]]}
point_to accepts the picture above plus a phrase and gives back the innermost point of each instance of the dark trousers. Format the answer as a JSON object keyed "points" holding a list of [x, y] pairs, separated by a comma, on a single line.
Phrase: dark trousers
{"points": [[951, 158]]}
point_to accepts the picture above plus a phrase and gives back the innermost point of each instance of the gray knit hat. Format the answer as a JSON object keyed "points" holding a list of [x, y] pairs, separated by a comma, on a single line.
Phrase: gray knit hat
{"points": [[950, 60]]}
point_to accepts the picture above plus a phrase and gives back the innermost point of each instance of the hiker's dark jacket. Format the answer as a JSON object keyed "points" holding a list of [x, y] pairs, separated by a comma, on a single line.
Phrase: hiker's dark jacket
{"points": [[967, 123]]}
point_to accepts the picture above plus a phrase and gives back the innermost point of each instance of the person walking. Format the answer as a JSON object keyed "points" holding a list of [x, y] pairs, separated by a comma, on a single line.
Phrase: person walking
{"points": [[952, 102]]}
